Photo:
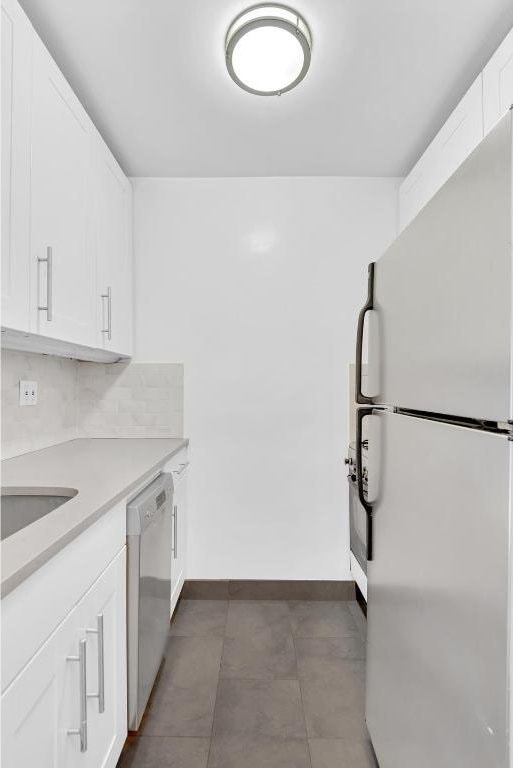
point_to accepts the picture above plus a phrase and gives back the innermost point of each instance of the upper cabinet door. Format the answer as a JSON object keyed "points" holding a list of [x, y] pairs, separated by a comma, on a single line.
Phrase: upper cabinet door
{"points": [[62, 259], [498, 83], [16, 74], [451, 146], [114, 262]]}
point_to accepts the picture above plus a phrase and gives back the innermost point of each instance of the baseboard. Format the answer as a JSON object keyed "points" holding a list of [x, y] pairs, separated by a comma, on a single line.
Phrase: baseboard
{"points": [[255, 589], [360, 599]]}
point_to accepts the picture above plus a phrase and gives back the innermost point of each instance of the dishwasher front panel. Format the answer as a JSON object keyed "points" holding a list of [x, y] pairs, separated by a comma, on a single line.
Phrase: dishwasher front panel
{"points": [[149, 533], [154, 597]]}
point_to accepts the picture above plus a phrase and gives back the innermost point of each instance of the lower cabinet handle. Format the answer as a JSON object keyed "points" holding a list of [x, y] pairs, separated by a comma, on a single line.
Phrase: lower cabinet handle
{"points": [[175, 531], [82, 729], [101, 664]]}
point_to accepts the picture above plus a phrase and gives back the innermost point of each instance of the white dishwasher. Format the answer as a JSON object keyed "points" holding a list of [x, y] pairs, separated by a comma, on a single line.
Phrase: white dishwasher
{"points": [[149, 536]]}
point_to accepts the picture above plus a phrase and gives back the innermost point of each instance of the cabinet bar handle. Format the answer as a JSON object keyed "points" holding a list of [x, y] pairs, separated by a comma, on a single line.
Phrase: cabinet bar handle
{"points": [[175, 531], [101, 664], [82, 729], [48, 260], [108, 329]]}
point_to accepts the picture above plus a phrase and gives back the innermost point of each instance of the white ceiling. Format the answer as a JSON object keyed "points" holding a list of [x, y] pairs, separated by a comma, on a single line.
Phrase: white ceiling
{"points": [[384, 76]]}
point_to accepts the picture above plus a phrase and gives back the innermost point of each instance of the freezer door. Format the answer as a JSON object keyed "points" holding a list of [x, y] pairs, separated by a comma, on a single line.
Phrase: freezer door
{"points": [[437, 671], [441, 326]]}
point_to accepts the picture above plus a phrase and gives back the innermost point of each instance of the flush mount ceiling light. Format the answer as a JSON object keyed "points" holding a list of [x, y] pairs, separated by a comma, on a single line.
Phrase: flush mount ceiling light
{"points": [[268, 49]]}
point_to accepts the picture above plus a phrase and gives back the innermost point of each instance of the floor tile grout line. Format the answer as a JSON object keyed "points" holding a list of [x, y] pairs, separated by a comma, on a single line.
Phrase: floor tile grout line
{"points": [[327, 637], [300, 688], [258, 679], [223, 638], [302, 706], [217, 686]]}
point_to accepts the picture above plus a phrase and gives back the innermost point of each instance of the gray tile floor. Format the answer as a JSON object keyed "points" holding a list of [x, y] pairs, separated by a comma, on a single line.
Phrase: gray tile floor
{"points": [[258, 685]]}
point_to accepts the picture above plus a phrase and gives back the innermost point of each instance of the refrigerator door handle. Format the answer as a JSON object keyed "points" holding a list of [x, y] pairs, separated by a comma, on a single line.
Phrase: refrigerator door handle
{"points": [[361, 413], [362, 399]]}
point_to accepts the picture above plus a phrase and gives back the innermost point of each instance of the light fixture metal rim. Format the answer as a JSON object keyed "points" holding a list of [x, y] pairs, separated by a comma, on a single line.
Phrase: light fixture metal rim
{"points": [[269, 21], [269, 17]]}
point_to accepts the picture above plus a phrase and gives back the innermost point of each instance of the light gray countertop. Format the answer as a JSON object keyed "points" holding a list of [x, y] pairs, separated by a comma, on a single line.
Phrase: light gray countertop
{"points": [[104, 471]]}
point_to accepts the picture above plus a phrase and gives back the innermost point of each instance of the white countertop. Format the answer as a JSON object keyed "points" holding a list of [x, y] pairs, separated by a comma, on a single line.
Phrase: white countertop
{"points": [[103, 471]]}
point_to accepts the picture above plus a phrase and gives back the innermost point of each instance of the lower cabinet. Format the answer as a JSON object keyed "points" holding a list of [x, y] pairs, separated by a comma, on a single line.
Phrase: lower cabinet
{"points": [[179, 541], [41, 704], [67, 707], [101, 619]]}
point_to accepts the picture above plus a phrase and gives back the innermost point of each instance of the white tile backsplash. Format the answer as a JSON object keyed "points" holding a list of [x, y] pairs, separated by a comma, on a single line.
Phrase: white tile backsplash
{"points": [[131, 399], [55, 417], [88, 400]]}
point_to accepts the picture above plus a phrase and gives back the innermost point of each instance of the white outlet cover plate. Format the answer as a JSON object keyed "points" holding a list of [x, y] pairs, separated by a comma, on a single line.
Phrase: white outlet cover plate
{"points": [[28, 392]]}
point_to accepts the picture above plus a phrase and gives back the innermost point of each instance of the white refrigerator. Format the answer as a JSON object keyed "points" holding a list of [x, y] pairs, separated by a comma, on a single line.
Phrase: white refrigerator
{"points": [[439, 420]]}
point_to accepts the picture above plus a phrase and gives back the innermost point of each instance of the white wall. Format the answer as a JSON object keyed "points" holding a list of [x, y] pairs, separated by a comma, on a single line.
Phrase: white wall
{"points": [[255, 285]]}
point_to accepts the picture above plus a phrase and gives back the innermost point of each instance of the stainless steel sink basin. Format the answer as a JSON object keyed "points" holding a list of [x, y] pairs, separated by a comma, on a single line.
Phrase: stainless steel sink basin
{"points": [[23, 506]]}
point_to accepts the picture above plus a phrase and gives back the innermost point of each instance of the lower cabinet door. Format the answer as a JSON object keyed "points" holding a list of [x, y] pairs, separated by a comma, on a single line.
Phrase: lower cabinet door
{"points": [[52, 713], [43, 704], [179, 533], [101, 618]]}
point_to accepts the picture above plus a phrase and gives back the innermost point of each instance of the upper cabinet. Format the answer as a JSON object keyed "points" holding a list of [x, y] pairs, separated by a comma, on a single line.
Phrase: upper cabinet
{"points": [[16, 78], [66, 212], [451, 146], [498, 83], [62, 258], [487, 100], [113, 246]]}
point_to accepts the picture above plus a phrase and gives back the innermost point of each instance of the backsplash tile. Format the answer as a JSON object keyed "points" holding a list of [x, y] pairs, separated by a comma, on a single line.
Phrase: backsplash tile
{"points": [[55, 417], [88, 400], [131, 399]]}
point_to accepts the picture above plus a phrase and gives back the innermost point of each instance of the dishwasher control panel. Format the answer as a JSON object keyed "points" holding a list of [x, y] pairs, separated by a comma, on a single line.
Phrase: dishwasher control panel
{"points": [[149, 503]]}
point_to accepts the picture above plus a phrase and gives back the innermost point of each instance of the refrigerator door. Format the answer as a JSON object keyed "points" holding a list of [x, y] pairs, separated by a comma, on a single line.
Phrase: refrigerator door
{"points": [[441, 325], [437, 670]]}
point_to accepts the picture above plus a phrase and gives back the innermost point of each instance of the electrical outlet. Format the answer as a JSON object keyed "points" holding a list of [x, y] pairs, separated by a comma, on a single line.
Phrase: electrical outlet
{"points": [[28, 392]]}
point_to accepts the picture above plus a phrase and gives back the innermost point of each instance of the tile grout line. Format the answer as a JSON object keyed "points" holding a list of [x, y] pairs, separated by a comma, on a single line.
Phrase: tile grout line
{"points": [[300, 688], [297, 677], [217, 686]]}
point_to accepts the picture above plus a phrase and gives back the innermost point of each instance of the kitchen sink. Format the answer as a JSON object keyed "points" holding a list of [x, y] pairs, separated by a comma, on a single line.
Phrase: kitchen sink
{"points": [[23, 506]]}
